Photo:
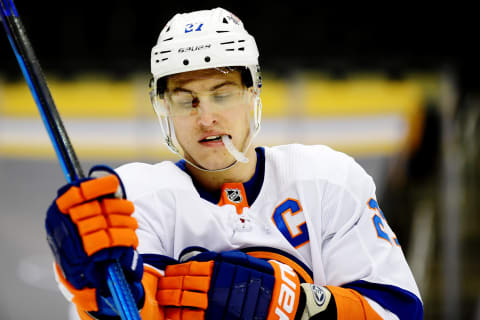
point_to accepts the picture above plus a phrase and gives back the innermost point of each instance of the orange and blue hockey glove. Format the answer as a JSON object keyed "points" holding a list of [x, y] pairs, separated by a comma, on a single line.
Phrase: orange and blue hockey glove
{"points": [[231, 285], [88, 226]]}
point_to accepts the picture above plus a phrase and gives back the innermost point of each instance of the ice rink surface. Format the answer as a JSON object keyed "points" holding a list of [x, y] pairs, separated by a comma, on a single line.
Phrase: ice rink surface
{"points": [[27, 187]]}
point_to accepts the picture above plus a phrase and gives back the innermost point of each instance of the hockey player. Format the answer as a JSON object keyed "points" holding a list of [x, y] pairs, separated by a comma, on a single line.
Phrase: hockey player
{"points": [[230, 231]]}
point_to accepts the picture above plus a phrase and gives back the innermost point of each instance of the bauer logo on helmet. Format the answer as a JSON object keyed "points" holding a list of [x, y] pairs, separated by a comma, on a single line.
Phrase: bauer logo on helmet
{"points": [[194, 48]]}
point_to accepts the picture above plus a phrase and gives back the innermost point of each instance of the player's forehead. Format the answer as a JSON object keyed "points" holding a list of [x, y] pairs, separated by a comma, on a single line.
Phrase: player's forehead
{"points": [[204, 79]]}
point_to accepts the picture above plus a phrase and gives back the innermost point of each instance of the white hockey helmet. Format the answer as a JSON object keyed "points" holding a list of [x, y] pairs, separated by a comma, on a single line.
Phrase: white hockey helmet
{"points": [[199, 40]]}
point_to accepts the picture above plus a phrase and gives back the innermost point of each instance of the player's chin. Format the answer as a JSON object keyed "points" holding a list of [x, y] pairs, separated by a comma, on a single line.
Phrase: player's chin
{"points": [[218, 165], [217, 161]]}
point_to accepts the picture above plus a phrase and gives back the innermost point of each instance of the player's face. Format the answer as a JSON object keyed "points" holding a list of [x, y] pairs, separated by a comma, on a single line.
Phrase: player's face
{"points": [[204, 105]]}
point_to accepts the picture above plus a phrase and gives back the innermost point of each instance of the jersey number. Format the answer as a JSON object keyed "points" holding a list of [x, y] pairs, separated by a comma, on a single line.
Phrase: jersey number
{"points": [[289, 219], [380, 223], [193, 27]]}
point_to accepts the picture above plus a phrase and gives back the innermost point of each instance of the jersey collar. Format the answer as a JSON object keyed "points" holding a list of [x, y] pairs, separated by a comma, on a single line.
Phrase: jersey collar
{"points": [[252, 187]]}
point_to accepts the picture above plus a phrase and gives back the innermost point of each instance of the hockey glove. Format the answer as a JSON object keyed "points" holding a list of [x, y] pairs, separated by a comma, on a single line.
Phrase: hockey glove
{"points": [[229, 285], [87, 228]]}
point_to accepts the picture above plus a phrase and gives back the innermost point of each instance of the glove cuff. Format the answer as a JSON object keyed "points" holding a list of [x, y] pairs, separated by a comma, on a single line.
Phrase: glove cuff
{"points": [[286, 292], [84, 299]]}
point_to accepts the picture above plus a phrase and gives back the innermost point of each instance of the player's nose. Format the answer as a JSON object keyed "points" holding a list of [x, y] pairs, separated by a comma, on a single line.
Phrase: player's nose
{"points": [[207, 114]]}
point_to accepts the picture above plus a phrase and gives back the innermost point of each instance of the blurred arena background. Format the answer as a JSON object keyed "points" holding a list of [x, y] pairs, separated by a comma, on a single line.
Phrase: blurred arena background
{"points": [[397, 88]]}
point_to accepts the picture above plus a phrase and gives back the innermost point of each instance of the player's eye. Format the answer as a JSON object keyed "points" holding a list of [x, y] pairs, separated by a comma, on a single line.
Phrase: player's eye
{"points": [[183, 100], [227, 95], [222, 97]]}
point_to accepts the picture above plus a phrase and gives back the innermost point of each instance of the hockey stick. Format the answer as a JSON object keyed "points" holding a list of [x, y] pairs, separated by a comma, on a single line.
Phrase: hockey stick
{"points": [[35, 79]]}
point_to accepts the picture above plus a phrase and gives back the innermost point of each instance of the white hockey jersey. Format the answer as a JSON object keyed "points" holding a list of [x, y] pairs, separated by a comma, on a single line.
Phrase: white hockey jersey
{"points": [[316, 211]]}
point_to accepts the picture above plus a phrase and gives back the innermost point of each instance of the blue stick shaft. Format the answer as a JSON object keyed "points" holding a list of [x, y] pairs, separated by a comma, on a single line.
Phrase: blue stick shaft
{"points": [[38, 87], [66, 155], [121, 292]]}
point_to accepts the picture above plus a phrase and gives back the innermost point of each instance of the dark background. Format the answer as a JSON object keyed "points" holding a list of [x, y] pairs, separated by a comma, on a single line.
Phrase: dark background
{"points": [[116, 37]]}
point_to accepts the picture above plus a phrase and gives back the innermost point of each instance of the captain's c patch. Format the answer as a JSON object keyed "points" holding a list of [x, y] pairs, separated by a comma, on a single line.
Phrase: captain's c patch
{"points": [[289, 218]]}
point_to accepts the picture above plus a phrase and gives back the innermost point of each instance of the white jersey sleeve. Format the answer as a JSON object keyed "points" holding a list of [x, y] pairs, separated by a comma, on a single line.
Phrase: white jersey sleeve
{"points": [[354, 226], [350, 236]]}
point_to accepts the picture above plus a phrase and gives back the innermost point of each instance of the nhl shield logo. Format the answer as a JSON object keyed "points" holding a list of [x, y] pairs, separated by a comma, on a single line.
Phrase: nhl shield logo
{"points": [[234, 195]]}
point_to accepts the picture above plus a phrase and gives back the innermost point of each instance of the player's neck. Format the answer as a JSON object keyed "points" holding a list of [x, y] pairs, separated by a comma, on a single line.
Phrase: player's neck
{"points": [[240, 172]]}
